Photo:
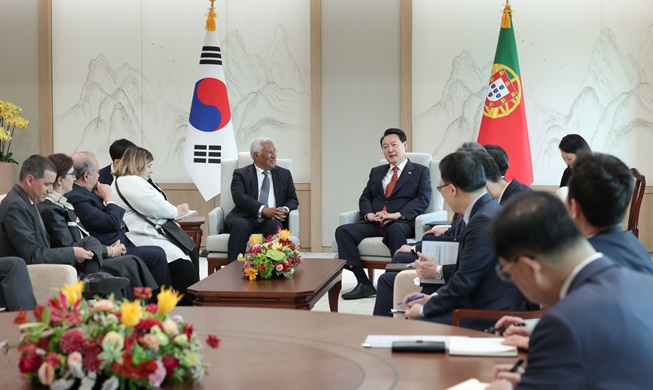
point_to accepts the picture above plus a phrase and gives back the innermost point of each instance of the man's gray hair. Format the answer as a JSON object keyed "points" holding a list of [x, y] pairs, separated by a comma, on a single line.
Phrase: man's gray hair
{"points": [[471, 147], [256, 146], [82, 163]]}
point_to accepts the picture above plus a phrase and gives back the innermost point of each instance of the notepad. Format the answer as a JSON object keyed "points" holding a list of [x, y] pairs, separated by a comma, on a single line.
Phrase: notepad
{"points": [[480, 346], [470, 384], [386, 340], [188, 214]]}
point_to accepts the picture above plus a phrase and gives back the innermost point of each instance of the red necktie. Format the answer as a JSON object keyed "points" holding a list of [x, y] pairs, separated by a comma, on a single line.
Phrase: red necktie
{"points": [[391, 185]]}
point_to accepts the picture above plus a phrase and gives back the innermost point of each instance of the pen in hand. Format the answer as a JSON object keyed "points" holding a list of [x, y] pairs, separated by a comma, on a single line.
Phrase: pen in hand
{"points": [[411, 299], [517, 365], [502, 329]]}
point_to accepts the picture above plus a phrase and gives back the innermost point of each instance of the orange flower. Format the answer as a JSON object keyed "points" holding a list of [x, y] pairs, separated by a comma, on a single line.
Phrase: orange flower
{"points": [[251, 273]]}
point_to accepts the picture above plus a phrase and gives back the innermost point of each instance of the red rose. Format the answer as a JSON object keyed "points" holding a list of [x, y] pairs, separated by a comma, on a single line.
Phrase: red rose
{"points": [[213, 341], [53, 359], [28, 364], [170, 363], [21, 318]]}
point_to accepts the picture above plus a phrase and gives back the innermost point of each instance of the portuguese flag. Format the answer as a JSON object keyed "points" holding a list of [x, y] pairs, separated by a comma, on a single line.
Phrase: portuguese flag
{"points": [[504, 116]]}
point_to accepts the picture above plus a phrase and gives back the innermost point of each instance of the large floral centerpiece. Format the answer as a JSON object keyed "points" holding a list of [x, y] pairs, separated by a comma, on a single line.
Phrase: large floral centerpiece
{"points": [[109, 344], [278, 255], [10, 119]]}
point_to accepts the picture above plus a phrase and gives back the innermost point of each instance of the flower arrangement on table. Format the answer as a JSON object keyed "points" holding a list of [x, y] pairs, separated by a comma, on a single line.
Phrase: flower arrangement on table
{"points": [[75, 343], [10, 119], [277, 255]]}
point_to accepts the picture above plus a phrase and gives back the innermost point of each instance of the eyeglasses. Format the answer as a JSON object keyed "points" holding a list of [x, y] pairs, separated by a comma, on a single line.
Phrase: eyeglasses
{"points": [[73, 173], [270, 152], [439, 188], [502, 272]]}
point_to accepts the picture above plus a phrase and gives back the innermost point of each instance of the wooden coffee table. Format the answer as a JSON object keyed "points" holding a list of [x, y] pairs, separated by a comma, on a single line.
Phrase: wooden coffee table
{"points": [[230, 287]]}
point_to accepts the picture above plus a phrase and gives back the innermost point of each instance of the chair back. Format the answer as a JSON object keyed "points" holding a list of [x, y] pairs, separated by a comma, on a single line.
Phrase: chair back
{"points": [[426, 159], [636, 203], [229, 166]]}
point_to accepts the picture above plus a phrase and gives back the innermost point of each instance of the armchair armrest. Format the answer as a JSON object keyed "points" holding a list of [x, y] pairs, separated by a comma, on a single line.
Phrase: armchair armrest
{"points": [[349, 217], [421, 222], [216, 221], [293, 222], [404, 285]]}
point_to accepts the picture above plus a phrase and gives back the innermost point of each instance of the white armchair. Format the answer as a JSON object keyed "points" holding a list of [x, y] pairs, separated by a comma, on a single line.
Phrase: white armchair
{"points": [[216, 240], [374, 253]]}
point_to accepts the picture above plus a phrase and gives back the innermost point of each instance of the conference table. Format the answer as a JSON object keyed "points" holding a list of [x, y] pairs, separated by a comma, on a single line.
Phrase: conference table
{"points": [[295, 349]]}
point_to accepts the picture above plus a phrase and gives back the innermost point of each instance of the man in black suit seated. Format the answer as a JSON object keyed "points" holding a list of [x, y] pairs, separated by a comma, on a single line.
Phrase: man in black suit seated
{"points": [[496, 184], [116, 150], [102, 217], [23, 234], [395, 194], [600, 189], [471, 282], [263, 193]]}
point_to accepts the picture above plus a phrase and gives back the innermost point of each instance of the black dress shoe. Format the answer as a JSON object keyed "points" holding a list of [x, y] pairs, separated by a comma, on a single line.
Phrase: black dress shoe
{"points": [[102, 283], [360, 291]]}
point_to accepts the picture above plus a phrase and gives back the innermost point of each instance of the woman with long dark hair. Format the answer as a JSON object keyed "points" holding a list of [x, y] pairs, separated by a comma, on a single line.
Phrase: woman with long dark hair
{"points": [[570, 146]]}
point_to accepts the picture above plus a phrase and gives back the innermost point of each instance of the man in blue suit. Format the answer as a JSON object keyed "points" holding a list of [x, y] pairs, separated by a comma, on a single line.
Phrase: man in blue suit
{"points": [[597, 330], [395, 194], [102, 217], [116, 150], [496, 185], [264, 195], [600, 189], [471, 282]]}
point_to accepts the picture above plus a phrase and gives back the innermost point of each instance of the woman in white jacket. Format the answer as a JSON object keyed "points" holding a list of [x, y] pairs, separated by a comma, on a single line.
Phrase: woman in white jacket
{"points": [[136, 188]]}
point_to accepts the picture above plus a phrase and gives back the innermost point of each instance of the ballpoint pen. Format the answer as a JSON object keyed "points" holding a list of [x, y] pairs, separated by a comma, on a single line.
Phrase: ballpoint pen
{"points": [[502, 329], [416, 297], [517, 365]]}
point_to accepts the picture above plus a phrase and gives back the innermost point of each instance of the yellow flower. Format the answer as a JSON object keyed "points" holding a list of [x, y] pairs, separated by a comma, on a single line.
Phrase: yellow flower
{"points": [[251, 273], [167, 300], [131, 313], [73, 293], [255, 239], [276, 246], [284, 234]]}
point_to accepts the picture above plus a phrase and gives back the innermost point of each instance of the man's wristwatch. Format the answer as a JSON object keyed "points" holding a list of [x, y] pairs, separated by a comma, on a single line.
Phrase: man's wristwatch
{"points": [[438, 272]]}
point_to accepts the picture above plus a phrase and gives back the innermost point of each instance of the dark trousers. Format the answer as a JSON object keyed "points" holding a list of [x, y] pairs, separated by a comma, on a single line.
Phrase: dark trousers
{"points": [[349, 236], [184, 274], [155, 259], [241, 228], [15, 286]]}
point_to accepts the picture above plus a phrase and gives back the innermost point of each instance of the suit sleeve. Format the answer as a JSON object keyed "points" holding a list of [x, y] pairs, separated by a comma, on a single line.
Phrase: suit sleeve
{"points": [[475, 261], [554, 354], [242, 199], [418, 205], [57, 226], [291, 195], [365, 204], [108, 220], [24, 239]]}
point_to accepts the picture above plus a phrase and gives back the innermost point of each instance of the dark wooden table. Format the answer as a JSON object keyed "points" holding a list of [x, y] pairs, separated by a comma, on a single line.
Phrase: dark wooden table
{"points": [[193, 227], [296, 349], [313, 279]]}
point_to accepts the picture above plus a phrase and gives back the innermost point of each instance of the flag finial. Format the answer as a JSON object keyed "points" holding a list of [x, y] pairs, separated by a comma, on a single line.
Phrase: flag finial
{"points": [[210, 20], [507, 14]]}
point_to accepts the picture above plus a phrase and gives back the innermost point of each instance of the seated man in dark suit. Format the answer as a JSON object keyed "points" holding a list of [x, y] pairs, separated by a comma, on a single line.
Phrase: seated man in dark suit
{"points": [[263, 193], [470, 283], [102, 217], [23, 234], [597, 330], [15, 286], [395, 194], [116, 150], [496, 184]]}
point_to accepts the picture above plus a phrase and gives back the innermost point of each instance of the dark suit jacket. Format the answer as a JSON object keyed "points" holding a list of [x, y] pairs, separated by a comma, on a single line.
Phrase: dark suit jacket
{"points": [[598, 336], [410, 197], [623, 248], [514, 188], [244, 190], [58, 222], [473, 282], [102, 222], [105, 175], [21, 233]]}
